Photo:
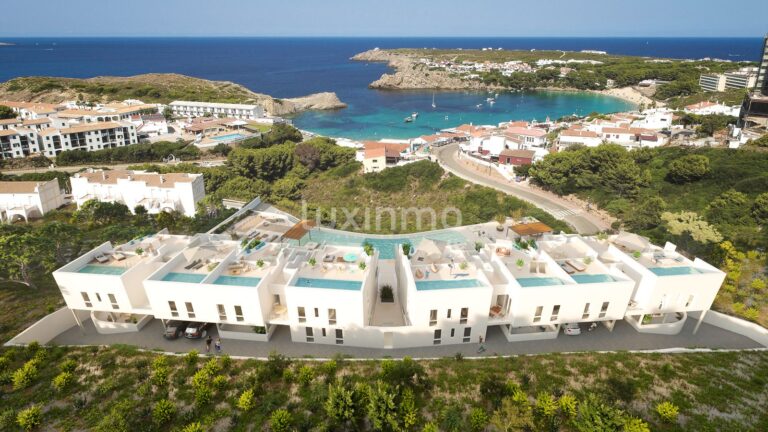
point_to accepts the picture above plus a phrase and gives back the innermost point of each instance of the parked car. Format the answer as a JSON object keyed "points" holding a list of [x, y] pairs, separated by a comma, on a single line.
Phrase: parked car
{"points": [[572, 329], [174, 329], [196, 330]]}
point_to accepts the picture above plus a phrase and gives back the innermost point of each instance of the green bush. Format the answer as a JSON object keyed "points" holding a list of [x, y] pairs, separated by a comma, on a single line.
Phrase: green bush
{"points": [[30, 418], [68, 365], [163, 412], [478, 419], [25, 375], [62, 381], [667, 411], [193, 427], [305, 375], [280, 421], [159, 376], [203, 395], [191, 358], [219, 382], [246, 401]]}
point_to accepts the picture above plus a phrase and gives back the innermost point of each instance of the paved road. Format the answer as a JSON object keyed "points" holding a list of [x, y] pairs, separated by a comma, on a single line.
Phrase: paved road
{"points": [[570, 213], [76, 168], [623, 337]]}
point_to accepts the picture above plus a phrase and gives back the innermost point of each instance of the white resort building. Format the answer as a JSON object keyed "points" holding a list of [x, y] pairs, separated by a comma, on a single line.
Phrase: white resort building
{"points": [[202, 109], [155, 192], [332, 287], [29, 199]]}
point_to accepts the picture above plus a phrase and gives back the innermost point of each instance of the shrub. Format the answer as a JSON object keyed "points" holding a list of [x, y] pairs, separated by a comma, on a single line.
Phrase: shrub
{"points": [[246, 401], [226, 362], [306, 375], [478, 419], [752, 314], [667, 411], [430, 427], [24, 376], [191, 358], [329, 368], [4, 363], [62, 381], [387, 295], [688, 168], [203, 395], [219, 382], [160, 376], [68, 365], [30, 418], [280, 420], [163, 411], [193, 427]]}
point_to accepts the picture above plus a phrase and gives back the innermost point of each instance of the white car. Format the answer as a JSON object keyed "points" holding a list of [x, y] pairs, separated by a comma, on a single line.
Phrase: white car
{"points": [[572, 329]]}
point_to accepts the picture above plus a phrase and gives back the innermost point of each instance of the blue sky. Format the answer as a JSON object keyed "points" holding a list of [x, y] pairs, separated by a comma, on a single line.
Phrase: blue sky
{"points": [[383, 18]]}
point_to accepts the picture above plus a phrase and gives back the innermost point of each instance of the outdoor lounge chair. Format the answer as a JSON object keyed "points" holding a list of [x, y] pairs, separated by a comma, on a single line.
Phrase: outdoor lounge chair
{"points": [[419, 274], [118, 256], [329, 258], [434, 268], [502, 251], [192, 264], [576, 265], [101, 258]]}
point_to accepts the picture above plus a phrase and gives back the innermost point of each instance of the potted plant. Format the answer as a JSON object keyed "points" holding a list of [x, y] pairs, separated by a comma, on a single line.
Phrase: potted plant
{"points": [[406, 249], [134, 320], [519, 263], [312, 262], [478, 246], [362, 265], [212, 266], [602, 236], [139, 251], [636, 255], [260, 263], [387, 295], [587, 260], [500, 219], [647, 319], [368, 248], [260, 330], [463, 265]]}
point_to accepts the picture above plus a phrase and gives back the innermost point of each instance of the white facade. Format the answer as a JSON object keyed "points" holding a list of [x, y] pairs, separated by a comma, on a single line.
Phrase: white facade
{"points": [[201, 109], [29, 199], [155, 192], [441, 293]]}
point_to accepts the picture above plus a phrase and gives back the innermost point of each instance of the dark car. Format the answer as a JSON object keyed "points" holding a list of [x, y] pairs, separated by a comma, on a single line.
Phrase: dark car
{"points": [[196, 330], [174, 329]]}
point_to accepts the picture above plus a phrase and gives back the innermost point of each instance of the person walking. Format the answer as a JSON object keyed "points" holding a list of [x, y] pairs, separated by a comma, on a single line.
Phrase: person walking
{"points": [[481, 349], [208, 342], [218, 345]]}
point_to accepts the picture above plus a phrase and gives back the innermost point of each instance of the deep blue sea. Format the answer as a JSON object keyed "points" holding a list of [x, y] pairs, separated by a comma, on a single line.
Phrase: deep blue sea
{"points": [[289, 67]]}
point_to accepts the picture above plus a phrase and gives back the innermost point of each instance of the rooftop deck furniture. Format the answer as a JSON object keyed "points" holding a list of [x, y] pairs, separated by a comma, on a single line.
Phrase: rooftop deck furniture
{"points": [[118, 256], [495, 311], [434, 268], [101, 258], [329, 258], [419, 274], [576, 265], [192, 264], [502, 251]]}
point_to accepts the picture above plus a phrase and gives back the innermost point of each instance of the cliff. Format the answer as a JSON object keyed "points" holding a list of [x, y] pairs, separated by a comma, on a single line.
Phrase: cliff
{"points": [[157, 88], [411, 75]]}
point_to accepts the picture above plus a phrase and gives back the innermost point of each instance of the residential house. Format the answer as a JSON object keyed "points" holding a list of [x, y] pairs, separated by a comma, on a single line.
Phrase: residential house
{"points": [[29, 199]]}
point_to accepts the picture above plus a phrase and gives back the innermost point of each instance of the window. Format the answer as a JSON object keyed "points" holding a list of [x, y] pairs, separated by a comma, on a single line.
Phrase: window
{"points": [[276, 299], [339, 337], [113, 300], [190, 310], [464, 315], [98, 297], [537, 315], [438, 337], [467, 334], [433, 317], [310, 334], [239, 313], [585, 314], [688, 303], [222, 312], [302, 315], [555, 313], [331, 316], [323, 330], [448, 315], [86, 299], [453, 332], [317, 313], [174, 311], [604, 309]]}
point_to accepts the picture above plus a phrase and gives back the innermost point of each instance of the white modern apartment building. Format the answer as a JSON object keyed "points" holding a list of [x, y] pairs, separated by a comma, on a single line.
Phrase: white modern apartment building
{"points": [[443, 292], [745, 78], [155, 192], [87, 137], [201, 109], [28, 199]]}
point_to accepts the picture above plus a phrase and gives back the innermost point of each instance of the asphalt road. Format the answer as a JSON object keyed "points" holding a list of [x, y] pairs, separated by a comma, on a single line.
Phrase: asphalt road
{"points": [[572, 214]]}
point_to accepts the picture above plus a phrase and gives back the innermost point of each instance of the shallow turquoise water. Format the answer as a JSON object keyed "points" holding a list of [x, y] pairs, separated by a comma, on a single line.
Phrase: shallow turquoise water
{"points": [[447, 284], [183, 277], [102, 270], [382, 116], [237, 281], [673, 271], [536, 281], [385, 246], [592, 278], [329, 283]]}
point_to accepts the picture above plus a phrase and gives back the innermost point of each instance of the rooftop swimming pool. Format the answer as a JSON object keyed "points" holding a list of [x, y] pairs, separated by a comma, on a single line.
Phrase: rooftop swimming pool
{"points": [[102, 269], [385, 246], [593, 278], [243, 281], [183, 277], [539, 281], [447, 284], [674, 271], [229, 137], [346, 285]]}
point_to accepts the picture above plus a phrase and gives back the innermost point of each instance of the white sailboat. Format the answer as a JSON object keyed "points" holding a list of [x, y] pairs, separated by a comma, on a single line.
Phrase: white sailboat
{"points": [[433, 100]]}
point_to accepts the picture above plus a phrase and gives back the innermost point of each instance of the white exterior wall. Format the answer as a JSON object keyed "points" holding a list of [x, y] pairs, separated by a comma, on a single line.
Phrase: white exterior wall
{"points": [[48, 197], [200, 109]]}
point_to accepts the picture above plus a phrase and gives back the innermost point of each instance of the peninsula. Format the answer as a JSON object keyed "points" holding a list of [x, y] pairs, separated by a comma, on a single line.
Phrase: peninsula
{"points": [[641, 80], [157, 88]]}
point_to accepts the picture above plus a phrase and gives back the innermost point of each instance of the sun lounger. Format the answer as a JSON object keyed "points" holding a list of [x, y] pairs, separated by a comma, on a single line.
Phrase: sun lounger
{"points": [[568, 269], [101, 258], [118, 256], [192, 264], [434, 268], [458, 275], [502, 251], [198, 265], [495, 310], [419, 274], [329, 258], [576, 265]]}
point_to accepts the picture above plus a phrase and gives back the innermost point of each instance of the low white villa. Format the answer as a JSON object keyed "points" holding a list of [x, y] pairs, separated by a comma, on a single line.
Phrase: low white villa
{"points": [[29, 199], [447, 287], [155, 192], [203, 109]]}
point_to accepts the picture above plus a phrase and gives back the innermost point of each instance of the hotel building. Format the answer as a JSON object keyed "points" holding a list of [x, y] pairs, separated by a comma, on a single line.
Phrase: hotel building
{"points": [[201, 109], [28, 199], [447, 290]]}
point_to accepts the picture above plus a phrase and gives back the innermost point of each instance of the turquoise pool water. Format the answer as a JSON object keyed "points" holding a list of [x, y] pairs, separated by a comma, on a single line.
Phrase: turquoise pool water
{"points": [[102, 270], [592, 278], [385, 246], [535, 281], [183, 277], [229, 137], [329, 283], [237, 281], [674, 271], [447, 284]]}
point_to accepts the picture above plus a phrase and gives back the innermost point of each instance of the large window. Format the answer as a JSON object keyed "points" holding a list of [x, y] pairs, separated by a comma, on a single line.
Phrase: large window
{"points": [[310, 334], [339, 337], [190, 309], [113, 301], [604, 309], [438, 337], [585, 314], [555, 313], [464, 315], [174, 311], [302, 314], [239, 313], [467, 334], [86, 299], [433, 317], [537, 315], [222, 312], [331, 316]]}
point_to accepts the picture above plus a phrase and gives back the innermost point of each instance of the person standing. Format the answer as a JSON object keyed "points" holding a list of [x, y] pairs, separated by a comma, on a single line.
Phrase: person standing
{"points": [[481, 349], [208, 342], [218, 345]]}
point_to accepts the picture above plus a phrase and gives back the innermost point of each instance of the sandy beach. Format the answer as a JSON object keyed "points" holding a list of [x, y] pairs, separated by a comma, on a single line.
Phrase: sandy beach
{"points": [[630, 94]]}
